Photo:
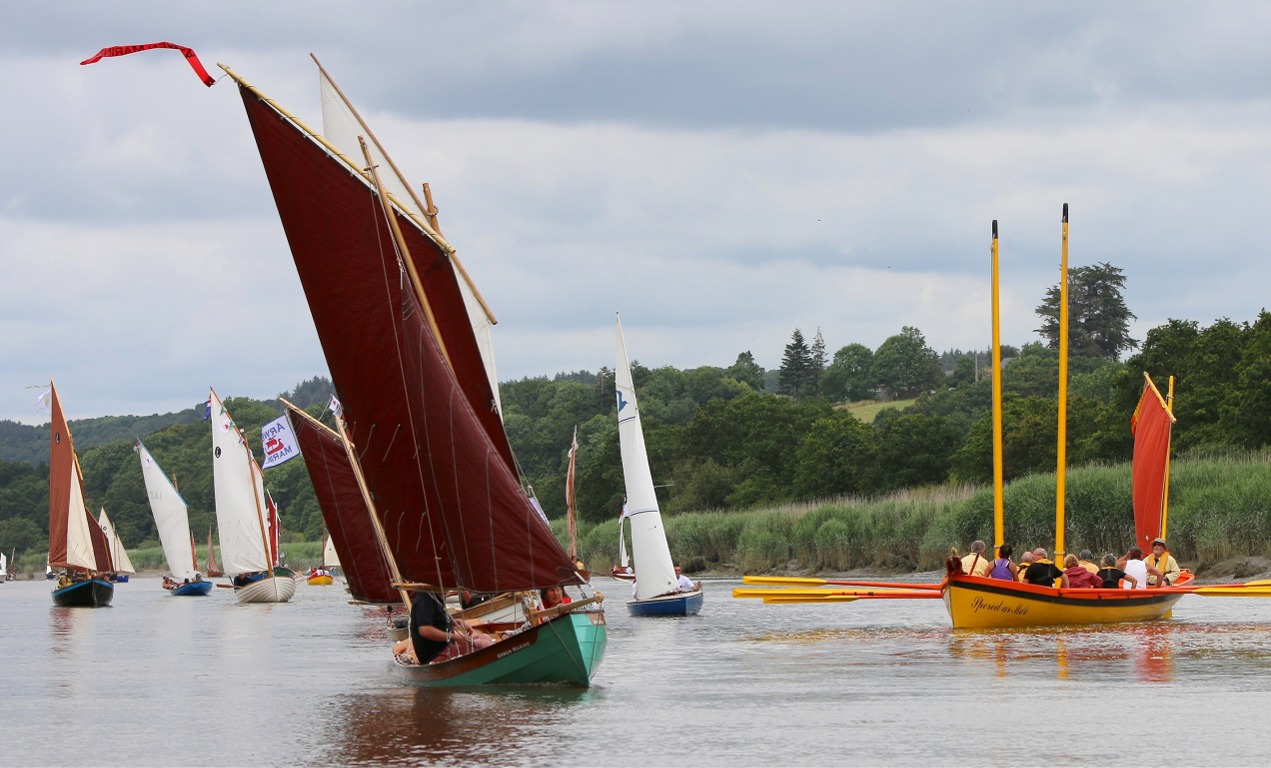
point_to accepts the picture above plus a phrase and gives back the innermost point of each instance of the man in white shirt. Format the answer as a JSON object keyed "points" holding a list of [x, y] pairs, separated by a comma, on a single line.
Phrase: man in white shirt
{"points": [[686, 584]]}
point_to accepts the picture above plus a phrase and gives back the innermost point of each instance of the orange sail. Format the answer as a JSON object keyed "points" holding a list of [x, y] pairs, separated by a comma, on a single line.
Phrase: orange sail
{"points": [[1151, 426]]}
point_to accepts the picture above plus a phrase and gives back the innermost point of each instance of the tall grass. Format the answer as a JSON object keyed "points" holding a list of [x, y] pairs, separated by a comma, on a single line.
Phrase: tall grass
{"points": [[1220, 507]]}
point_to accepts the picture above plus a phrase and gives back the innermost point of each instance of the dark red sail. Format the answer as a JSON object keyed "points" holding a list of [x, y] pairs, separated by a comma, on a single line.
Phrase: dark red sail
{"points": [[443, 482], [344, 510]]}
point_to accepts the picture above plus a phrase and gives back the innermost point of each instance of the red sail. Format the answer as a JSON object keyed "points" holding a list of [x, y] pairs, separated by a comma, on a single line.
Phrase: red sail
{"points": [[62, 465], [451, 505], [344, 510], [1151, 426]]}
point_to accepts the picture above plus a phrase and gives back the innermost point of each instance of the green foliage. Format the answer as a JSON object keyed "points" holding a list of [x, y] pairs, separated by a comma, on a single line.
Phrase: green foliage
{"points": [[849, 375], [905, 366], [1098, 318], [799, 371]]}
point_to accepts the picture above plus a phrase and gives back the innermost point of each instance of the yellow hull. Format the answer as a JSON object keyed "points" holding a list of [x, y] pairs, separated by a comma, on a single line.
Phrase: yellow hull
{"points": [[320, 581], [979, 603]]}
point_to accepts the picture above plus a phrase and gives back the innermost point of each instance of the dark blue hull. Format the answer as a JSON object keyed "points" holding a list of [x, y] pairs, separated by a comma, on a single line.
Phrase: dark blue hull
{"points": [[193, 589], [684, 604], [85, 594]]}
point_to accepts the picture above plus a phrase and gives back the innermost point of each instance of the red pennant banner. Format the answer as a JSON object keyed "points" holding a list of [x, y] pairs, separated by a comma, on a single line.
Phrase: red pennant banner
{"points": [[124, 50]]}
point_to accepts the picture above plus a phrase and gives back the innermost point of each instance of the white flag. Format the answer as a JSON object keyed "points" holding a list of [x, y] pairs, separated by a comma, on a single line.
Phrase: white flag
{"points": [[335, 407], [279, 442]]}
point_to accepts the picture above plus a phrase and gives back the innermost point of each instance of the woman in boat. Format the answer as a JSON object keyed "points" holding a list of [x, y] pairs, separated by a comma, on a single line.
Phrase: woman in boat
{"points": [[1112, 575], [1003, 567], [1077, 574]]}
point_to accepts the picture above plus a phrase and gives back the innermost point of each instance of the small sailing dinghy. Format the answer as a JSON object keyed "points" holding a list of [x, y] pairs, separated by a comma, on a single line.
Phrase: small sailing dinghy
{"points": [[76, 543], [243, 516], [321, 576], [172, 519], [657, 589], [118, 555]]}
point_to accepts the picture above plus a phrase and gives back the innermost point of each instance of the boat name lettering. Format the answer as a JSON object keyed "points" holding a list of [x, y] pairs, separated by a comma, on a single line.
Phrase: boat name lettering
{"points": [[978, 604], [512, 650]]}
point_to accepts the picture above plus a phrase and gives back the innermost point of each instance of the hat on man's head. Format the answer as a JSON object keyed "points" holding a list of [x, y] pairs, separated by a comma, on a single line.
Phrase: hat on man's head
{"points": [[1159, 540]]}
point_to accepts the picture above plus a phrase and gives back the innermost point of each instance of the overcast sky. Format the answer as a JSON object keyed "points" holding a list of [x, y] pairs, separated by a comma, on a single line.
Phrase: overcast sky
{"points": [[721, 173]]}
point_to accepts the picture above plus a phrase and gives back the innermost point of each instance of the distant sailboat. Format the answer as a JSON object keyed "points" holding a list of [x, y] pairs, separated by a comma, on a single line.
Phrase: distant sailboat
{"points": [[4, 568], [75, 541], [243, 516], [118, 554], [657, 589], [321, 575], [171, 518]]}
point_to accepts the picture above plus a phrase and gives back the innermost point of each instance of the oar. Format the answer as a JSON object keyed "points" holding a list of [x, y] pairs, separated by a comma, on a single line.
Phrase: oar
{"points": [[1231, 591], [805, 581], [792, 599], [819, 593]]}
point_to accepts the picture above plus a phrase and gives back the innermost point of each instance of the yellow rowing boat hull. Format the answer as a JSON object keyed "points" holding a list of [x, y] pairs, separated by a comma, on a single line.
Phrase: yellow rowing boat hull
{"points": [[979, 603]]}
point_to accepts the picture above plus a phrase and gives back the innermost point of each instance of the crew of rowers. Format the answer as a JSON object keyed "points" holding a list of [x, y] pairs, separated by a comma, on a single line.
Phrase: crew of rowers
{"points": [[1130, 571]]}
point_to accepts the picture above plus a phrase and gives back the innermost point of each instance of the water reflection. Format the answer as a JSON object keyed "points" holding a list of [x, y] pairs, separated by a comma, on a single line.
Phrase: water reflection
{"points": [[425, 726], [1067, 652]]}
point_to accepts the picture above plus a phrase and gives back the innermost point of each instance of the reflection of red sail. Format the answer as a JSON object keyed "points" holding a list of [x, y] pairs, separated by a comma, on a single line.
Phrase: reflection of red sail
{"points": [[1151, 427], [435, 457], [343, 509]]}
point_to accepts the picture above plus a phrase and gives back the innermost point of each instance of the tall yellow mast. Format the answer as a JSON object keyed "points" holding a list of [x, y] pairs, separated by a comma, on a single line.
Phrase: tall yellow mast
{"points": [[1062, 452], [999, 532]]}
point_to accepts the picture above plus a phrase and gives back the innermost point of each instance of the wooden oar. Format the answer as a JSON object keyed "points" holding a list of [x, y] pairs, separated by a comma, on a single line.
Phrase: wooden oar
{"points": [[822, 593], [1230, 591], [793, 599], [805, 581]]}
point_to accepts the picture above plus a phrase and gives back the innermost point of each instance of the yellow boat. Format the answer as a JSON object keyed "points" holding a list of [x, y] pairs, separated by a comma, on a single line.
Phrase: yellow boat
{"points": [[974, 602]]}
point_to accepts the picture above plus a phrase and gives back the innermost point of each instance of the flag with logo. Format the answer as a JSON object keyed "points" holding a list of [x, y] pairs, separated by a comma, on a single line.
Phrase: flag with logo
{"points": [[279, 442]]}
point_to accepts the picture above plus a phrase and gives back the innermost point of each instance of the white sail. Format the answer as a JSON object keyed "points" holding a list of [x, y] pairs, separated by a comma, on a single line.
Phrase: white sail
{"points": [[654, 571], [118, 555], [329, 557], [240, 496], [4, 567], [171, 516], [79, 538]]}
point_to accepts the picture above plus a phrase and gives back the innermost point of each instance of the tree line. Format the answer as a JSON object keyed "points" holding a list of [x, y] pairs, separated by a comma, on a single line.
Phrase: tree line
{"points": [[739, 437]]}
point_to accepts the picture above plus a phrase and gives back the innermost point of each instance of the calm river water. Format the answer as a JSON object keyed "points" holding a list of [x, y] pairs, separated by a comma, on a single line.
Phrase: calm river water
{"points": [[164, 681]]}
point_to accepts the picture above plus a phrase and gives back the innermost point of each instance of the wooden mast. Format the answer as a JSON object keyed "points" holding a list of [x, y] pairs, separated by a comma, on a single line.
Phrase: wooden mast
{"points": [[998, 516], [1061, 462], [430, 211]]}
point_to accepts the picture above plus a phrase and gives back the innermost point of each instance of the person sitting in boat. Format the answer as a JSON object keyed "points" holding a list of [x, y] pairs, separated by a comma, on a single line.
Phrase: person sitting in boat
{"points": [[1111, 575], [976, 563], [1132, 563], [1086, 558], [1025, 560], [1162, 568], [1043, 572], [1003, 567], [1077, 574], [550, 597], [685, 583], [435, 635]]}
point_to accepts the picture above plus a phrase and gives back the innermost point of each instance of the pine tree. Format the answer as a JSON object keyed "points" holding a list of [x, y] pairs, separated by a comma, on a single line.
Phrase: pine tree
{"points": [[1098, 319], [797, 371]]}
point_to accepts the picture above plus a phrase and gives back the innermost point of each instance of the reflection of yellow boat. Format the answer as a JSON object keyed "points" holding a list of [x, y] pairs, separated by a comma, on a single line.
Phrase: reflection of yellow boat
{"points": [[978, 603]]}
